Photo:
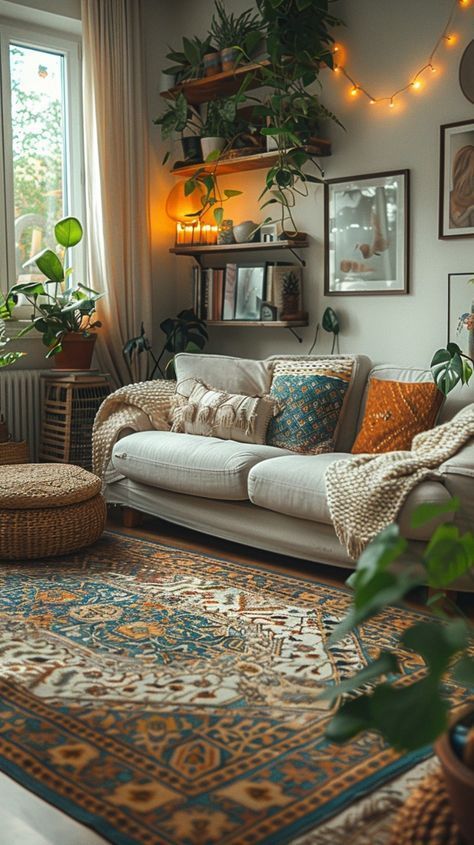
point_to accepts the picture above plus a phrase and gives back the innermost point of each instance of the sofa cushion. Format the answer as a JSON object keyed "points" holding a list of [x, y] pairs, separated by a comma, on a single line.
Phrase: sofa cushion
{"points": [[295, 486], [311, 393], [223, 372], [215, 413], [395, 412], [199, 466]]}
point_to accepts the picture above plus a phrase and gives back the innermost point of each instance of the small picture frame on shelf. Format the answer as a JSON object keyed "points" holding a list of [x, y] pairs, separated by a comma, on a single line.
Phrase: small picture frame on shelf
{"points": [[268, 312], [250, 291], [269, 233], [285, 290], [230, 284]]}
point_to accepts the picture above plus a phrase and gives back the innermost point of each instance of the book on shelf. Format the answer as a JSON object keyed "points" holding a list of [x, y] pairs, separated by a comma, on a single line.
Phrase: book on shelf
{"points": [[230, 278], [208, 292]]}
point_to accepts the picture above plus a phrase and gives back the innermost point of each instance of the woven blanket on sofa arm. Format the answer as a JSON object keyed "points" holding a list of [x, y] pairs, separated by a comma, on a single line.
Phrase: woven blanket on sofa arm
{"points": [[136, 407]]}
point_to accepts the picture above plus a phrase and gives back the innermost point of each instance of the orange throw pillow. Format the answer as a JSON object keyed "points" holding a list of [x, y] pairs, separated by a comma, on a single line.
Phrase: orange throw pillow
{"points": [[395, 411]]}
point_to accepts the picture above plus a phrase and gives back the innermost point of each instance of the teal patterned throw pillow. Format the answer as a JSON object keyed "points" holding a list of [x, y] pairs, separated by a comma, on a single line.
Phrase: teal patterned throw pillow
{"points": [[311, 407]]}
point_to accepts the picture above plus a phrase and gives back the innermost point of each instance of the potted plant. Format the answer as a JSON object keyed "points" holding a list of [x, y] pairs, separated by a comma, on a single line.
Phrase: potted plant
{"points": [[179, 117], [413, 715], [188, 63], [184, 333], [235, 36], [63, 313], [218, 127]]}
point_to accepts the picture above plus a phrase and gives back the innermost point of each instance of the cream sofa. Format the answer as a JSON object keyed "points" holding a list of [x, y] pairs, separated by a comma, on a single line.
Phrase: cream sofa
{"points": [[262, 496]]}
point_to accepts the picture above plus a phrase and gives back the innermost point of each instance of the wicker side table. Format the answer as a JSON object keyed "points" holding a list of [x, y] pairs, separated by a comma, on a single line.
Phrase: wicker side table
{"points": [[70, 403], [48, 509]]}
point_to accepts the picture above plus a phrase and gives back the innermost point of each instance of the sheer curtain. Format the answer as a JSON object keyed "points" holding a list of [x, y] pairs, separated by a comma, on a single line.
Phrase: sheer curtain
{"points": [[116, 158]]}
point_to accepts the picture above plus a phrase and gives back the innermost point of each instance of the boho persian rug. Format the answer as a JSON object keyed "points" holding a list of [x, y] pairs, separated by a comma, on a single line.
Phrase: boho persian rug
{"points": [[165, 697]]}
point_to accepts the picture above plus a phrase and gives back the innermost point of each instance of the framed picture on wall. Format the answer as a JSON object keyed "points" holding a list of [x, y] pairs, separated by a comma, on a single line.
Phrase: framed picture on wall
{"points": [[461, 311], [366, 223], [250, 291], [456, 180]]}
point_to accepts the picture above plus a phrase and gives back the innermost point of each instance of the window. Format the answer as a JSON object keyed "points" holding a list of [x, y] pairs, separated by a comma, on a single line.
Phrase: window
{"points": [[40, 145]]}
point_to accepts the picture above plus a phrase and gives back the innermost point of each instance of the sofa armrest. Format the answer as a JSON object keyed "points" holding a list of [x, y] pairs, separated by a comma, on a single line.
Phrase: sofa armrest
{"points": [[457, 475]]}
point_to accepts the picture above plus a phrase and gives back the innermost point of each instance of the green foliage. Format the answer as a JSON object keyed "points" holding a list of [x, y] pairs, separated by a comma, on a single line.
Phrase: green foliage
{"points": [[184, 333], [450, 366], [188, 63], [7, 358], [408, 715], [330, 321], [57, 308], [229, 30]]}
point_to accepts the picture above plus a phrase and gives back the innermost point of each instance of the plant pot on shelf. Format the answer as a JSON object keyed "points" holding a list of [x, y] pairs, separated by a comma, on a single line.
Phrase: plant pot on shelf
{"points": [[459, 780], [212, 63], [76, 353], [210, 145], [191, 145], [230, 58]]}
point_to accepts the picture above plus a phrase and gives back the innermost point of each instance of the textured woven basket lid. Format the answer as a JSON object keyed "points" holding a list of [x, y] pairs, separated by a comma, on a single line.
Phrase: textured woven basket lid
{"points": [[25, 486]]}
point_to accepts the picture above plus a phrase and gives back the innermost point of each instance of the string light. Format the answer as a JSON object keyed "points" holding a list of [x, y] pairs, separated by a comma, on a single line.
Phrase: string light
{"points": [[447, 37]]}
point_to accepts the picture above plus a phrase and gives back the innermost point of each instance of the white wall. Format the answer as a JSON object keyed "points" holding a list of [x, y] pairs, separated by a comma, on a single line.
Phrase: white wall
{"points": [[386, 42]]}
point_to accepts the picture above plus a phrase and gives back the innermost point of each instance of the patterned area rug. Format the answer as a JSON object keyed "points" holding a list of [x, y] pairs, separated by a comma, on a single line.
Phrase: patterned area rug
{"points": [[164, 697]]}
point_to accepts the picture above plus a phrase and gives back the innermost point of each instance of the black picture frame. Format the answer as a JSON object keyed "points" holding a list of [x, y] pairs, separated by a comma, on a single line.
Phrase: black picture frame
{"points": [[367, 234], [456, 174]]}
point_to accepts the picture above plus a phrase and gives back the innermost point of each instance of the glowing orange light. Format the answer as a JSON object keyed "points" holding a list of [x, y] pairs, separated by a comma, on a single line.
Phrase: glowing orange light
{"points": [[416, 84], [337, 69], [432, 69], [372, 102], [464, 2], [451, 39], [354, 91], [391, 104]]}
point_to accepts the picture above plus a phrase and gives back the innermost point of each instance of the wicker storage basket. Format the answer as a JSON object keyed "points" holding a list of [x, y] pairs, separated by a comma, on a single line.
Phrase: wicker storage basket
{"points": [[12, 452], [48, 509]]}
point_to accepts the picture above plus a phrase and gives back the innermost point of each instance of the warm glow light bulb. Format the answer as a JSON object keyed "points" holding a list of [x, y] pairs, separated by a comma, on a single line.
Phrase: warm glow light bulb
{"points": [[391, 104], [416, 84], [464, 2], [451, 39], [372, 102], [432, 69], [354, 91]]}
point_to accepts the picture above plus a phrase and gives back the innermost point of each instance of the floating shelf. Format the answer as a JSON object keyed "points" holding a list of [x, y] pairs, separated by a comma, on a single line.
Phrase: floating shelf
{"points": [[269, 324], [319, 147], [202, 249], [222, 84]]}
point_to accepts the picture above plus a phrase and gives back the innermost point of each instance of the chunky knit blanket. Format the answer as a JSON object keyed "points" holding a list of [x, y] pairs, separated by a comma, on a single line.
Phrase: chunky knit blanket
{"points": [[135, 407], [366, 492]]}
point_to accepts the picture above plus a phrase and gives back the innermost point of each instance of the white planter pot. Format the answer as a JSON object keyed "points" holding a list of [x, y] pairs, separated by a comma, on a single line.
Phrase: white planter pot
{"points": [[208, 145]]}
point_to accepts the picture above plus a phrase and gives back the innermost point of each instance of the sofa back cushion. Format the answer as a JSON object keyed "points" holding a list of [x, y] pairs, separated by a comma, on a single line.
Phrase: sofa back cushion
{"points": [[223, 372]]}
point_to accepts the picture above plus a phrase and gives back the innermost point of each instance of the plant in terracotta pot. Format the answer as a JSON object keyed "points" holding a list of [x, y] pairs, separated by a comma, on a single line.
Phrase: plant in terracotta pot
{"points": [[63, 313], [413, 715], [236, 36]]}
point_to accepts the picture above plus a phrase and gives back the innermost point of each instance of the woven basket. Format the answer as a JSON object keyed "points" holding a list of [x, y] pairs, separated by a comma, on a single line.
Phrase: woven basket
{"points": [[13, 453], [426, 817], [44, 532]]}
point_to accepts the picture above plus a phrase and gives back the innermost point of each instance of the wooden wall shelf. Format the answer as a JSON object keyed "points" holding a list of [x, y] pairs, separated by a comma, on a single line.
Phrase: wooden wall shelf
{"points": [[202, 249], [252, 162], [268, 324], [222, 84]]}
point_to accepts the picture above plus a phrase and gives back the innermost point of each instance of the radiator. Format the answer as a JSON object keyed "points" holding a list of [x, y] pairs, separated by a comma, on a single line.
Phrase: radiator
{"points": [[20, 403]]}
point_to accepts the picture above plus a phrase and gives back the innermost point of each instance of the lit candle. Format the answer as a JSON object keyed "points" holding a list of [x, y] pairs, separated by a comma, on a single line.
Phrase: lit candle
{"points": [[188, 235], [179, 233], [205, 234]]}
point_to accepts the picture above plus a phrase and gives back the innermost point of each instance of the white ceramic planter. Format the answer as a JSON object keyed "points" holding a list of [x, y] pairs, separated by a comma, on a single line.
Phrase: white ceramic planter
{"points": [[209, 145]]}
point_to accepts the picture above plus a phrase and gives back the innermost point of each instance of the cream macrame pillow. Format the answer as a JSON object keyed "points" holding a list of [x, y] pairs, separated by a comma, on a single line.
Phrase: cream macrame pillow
{"points": [[198, 409]]}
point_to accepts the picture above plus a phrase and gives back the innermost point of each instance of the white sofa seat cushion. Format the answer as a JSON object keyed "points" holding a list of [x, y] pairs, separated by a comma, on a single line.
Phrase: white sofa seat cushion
{"points": [[190, 463], [295, 486]]}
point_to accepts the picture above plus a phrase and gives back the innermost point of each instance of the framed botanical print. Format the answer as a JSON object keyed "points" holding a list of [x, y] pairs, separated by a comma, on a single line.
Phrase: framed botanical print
{"points": [[456, 180], [366, 222], [461, 311]]}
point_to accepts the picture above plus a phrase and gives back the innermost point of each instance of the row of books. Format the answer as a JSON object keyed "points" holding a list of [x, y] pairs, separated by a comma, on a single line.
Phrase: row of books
{"points": [[238, 291]]}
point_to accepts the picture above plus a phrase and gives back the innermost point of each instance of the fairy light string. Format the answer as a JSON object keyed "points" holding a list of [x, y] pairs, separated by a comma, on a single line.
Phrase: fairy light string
{"points": [[415, 82]]}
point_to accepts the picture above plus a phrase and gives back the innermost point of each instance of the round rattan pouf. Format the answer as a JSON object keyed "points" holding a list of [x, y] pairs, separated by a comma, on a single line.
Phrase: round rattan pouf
{"points": [[48, 509]]}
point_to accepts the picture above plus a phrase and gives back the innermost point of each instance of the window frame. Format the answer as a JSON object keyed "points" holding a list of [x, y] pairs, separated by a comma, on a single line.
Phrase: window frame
{"points": [[68, 46]]}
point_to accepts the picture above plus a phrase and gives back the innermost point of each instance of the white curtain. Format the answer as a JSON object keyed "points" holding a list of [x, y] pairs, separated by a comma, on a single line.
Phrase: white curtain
{"points": [[116, 157]]}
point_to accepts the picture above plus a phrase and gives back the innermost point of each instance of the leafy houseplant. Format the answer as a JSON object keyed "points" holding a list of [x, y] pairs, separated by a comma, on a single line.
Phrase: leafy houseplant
{"points": [[188, 62], [451, 366], [184, 333], [235, 36], [7, 358], [62, 312], [409, 716]]}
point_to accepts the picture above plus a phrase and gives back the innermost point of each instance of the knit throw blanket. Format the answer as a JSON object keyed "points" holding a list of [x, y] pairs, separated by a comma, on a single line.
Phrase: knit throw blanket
{"points": [[135, 407], [366, 492]]}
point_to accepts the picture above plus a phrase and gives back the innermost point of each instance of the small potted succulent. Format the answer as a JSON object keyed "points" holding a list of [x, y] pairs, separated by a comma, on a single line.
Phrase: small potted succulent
{"points": [[290, 294], [63, 313], [235, 36]]}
